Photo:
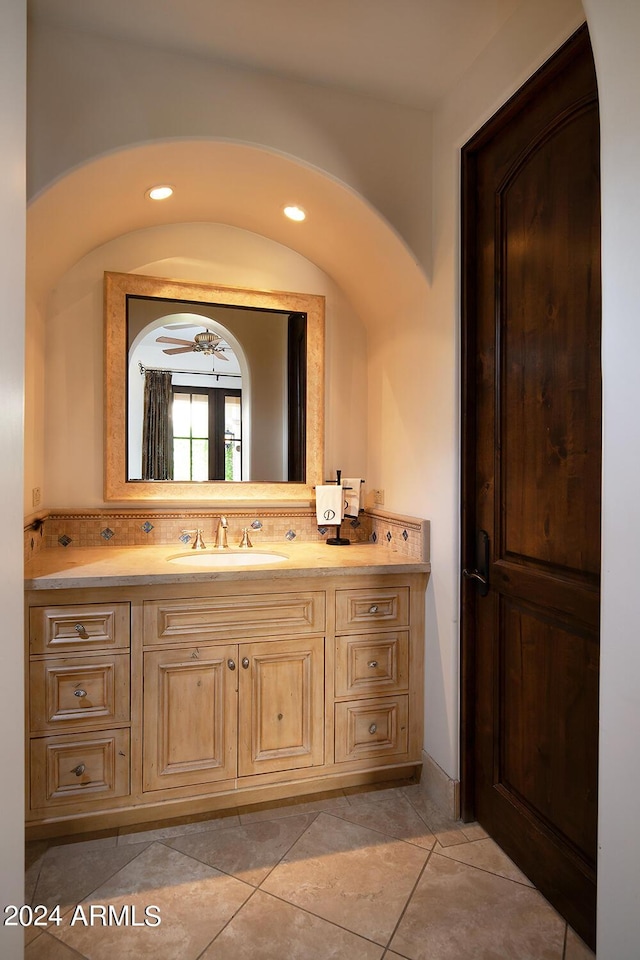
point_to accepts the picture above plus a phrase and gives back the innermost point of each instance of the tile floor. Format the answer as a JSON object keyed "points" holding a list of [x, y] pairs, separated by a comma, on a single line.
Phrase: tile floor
{"points": [[357, 874]]}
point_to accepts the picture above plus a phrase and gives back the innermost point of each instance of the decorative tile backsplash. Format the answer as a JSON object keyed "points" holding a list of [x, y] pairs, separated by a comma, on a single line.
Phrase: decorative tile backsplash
{"points": [[92, 528]]}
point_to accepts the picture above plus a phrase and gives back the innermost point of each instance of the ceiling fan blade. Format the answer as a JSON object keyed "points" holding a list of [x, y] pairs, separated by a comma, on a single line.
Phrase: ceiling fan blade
{"points": [[175, 350], [184, 343], [219, 355]]}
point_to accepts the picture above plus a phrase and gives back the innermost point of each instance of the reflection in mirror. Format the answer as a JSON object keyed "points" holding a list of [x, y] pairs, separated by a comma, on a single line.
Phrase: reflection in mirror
{"points": [[222, 390], [185, 401], [214, 392]]}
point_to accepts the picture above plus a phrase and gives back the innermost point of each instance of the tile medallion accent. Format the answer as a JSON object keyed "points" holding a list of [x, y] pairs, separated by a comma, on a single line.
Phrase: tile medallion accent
{"points": [[147, 527], [323, 530], [290, 535], [355, 523], [64, 541], [256, 525], [405, 535], [107, 533], [374, 537], [186, 537], [389, 536]]}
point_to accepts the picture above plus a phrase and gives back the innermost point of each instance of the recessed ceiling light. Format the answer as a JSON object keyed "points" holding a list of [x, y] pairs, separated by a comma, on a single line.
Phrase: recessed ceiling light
{"points": [[161, 192], [294, 213]]}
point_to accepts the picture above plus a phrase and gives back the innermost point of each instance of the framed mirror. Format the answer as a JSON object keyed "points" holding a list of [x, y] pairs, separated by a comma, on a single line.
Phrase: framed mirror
{"points": [[231, 380]]}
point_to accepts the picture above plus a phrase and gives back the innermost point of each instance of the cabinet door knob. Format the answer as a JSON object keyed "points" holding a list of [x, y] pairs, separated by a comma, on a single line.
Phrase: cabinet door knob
{"points": [[245, 663], [373, 608], [79, 770], [373, 664], [79, 693], [79, 628], [231, 664], [373, 728]]}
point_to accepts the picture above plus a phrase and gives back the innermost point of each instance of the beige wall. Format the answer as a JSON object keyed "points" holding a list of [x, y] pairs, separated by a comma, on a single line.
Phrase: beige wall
{"points": [[73, 412], [414, 376]]}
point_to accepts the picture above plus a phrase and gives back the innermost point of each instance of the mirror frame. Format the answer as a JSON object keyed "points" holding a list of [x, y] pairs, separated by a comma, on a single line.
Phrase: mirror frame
{"points": [[117, 288]]}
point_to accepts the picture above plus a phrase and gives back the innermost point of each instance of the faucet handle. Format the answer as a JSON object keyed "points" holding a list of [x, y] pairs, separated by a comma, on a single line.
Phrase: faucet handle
{"points": [[245, 542], [198, 543]]}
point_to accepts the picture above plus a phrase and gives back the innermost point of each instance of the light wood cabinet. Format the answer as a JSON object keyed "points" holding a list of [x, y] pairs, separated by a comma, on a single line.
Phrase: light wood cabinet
{"points": [[281, 705], [160, 700], [189, 716], [368, 666]]}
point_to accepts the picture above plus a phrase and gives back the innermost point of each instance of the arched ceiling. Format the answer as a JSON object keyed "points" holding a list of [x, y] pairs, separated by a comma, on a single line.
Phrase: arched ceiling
{"points": [[405, 51], [231, 183]]}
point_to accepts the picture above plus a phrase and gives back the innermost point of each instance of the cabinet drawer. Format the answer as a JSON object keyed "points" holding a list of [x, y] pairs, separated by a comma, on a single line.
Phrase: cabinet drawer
{"points": [[372, 664], [388, 607], [91, 767], [221, 618], [79, 627], [70, 692], [371, 728]]}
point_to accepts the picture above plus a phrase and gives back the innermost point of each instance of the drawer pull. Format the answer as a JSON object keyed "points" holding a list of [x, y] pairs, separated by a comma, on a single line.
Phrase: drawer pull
{"points": [[80, 630], [79, 770], [373, 664], [245, 663], [373, 608], [79, 693], [231, 664], [373, 728]]}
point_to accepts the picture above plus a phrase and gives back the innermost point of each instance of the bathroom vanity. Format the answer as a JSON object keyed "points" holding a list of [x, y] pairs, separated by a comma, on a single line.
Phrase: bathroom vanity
{"points": [[159, 688]]}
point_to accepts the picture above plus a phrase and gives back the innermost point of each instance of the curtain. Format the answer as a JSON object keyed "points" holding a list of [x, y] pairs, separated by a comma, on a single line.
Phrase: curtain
{"points": [[157, 428]]}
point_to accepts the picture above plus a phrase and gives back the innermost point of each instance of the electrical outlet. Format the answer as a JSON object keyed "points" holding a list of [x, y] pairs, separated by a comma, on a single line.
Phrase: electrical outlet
{"points": [[378, 496], [36, 496]]}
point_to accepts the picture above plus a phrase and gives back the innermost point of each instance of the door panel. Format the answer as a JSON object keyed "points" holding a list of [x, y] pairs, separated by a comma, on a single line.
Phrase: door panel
{"points": [[531, 448], [189, 716], [281, 705]]}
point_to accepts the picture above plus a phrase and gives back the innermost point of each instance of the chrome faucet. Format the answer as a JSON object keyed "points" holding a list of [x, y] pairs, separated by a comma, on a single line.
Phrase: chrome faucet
{"points": [[221, 534]]}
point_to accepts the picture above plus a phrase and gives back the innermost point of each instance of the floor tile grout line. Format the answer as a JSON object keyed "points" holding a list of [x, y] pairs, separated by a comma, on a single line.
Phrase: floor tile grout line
{"points": [[382, 833], [166, 841], [225, 925], [318, 916], [86, 896], [492, 873], [35, 886], [204, 863], [81, 956], [409, 899], [175, 836], [290, 847], [453, 827]]}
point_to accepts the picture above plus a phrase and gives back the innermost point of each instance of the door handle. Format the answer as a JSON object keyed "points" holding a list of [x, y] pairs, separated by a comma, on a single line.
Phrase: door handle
{"points": [[481, 572]]}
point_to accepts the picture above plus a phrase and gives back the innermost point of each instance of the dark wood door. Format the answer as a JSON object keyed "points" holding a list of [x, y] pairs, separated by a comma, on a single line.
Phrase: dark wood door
{"points": [[532, 456]]}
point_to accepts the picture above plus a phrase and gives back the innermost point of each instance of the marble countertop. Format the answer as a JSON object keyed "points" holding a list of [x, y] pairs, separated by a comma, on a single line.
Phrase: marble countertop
{"points": [[110, 566]]}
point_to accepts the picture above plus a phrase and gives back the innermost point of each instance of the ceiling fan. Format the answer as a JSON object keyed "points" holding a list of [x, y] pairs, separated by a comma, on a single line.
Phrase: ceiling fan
{"points": [[206, 343]]}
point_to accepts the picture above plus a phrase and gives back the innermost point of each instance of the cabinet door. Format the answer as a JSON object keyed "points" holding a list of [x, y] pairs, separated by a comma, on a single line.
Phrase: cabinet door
{"points": [[281, 710], [189, 716]]}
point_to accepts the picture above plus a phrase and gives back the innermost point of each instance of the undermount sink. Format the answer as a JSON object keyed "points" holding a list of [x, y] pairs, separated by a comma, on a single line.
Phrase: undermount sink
{"points": [[213, 559]]}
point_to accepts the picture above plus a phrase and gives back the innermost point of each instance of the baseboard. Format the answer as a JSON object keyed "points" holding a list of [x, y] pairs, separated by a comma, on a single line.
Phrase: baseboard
{"points": [[439, 788]]}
